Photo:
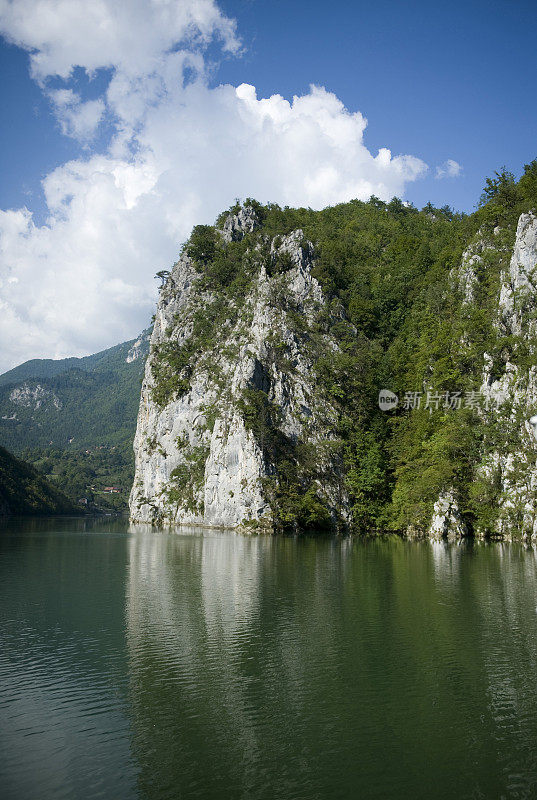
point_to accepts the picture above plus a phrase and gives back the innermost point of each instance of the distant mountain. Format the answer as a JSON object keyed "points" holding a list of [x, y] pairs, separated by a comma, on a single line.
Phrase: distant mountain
{"points": [[24, 491], [73, 401], [74, 419]]}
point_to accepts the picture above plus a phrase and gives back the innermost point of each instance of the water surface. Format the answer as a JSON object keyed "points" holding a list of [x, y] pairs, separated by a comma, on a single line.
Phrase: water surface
{"points": [[203, 665]]}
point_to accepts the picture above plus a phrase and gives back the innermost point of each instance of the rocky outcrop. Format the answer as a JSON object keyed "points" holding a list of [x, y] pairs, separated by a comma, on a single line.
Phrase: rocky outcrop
{"points": [[513, 395], [447, 522], [509, 395], [207, 452], [259, 398], [466, 278], [34, 397], [139, 348], [519, 283], [236, 225]]}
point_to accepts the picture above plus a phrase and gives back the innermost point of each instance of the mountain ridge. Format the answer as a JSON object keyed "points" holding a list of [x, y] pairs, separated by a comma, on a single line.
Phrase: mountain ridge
{"points": [[51, 367]]}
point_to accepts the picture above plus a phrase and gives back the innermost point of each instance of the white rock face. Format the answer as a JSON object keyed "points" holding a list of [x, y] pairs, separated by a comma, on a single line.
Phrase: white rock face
{"points": [[200, 439], [34, 397], [510, 399], [447, 522], [466, 274], [519, 285], [236, 225], [139, 348], [234, 468]]}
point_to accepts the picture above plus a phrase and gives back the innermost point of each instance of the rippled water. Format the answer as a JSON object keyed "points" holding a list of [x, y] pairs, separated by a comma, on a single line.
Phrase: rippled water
{"points": [[202, 665]]}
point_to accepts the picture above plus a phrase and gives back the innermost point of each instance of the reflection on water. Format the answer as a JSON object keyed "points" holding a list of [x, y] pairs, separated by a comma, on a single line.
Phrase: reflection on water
{"points": [[284, 668], [209, 665]]}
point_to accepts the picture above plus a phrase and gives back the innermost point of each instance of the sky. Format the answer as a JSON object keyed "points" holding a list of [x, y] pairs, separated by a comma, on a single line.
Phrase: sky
{"points": [[126, 123]]}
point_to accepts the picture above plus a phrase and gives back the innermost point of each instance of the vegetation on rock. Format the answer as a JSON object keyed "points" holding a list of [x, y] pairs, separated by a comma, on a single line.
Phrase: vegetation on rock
{"points": [[400, 319]]}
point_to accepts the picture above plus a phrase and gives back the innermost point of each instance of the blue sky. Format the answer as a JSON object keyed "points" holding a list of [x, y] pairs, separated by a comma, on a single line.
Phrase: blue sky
{"points": [[113, 148], [440, 80]]}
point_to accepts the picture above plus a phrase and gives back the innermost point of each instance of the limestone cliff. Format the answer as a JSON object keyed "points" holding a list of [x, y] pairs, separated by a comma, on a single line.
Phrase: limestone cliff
{"points": [[513, 394], [229, 394]]}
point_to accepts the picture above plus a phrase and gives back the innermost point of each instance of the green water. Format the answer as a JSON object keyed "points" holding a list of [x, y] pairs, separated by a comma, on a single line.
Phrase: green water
{"points": [[144, 665]]}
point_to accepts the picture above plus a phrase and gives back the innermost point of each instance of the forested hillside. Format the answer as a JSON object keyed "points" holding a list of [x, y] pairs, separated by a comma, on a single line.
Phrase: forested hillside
{"points": [[24, 491], [428, 304], [74, 420]]}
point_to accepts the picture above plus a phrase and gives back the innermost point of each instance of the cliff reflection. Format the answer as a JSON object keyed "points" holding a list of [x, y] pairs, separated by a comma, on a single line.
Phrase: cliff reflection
{"points": [[265, 667]]}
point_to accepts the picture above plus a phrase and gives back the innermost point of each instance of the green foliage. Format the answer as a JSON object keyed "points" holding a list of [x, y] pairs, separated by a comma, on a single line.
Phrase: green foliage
{"points": [[504, 199], [173, 363], [501, 189], [225, 273], [434, 453], [202, 245], [186, 480], [366, 478], [163, 276], [210, 411], [222, 266], [86, 474], [78, 429], [294, 490], [260, 416], [171, 371], [24, 491], [279, 263], [527, 186], [296, 509]]}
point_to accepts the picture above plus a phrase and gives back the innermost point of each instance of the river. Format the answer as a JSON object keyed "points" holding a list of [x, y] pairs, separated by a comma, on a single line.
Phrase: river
{"points": [[196, 664]]}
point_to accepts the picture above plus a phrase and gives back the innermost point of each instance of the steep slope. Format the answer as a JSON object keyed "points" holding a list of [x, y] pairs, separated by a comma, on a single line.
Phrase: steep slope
{"points": [[465, 461], [259, 404], [23, 491], [505, 474], [229, 401]]}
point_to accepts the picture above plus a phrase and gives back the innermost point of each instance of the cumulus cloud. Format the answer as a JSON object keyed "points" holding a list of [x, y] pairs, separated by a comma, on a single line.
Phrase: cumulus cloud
{"points": [[449, 169], [181, 151]]}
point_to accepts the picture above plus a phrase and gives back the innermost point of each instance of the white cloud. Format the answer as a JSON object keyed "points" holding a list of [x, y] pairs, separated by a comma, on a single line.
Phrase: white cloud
{"points": [[181, 152], [78, 119], [130, 36], [449, 169]]}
